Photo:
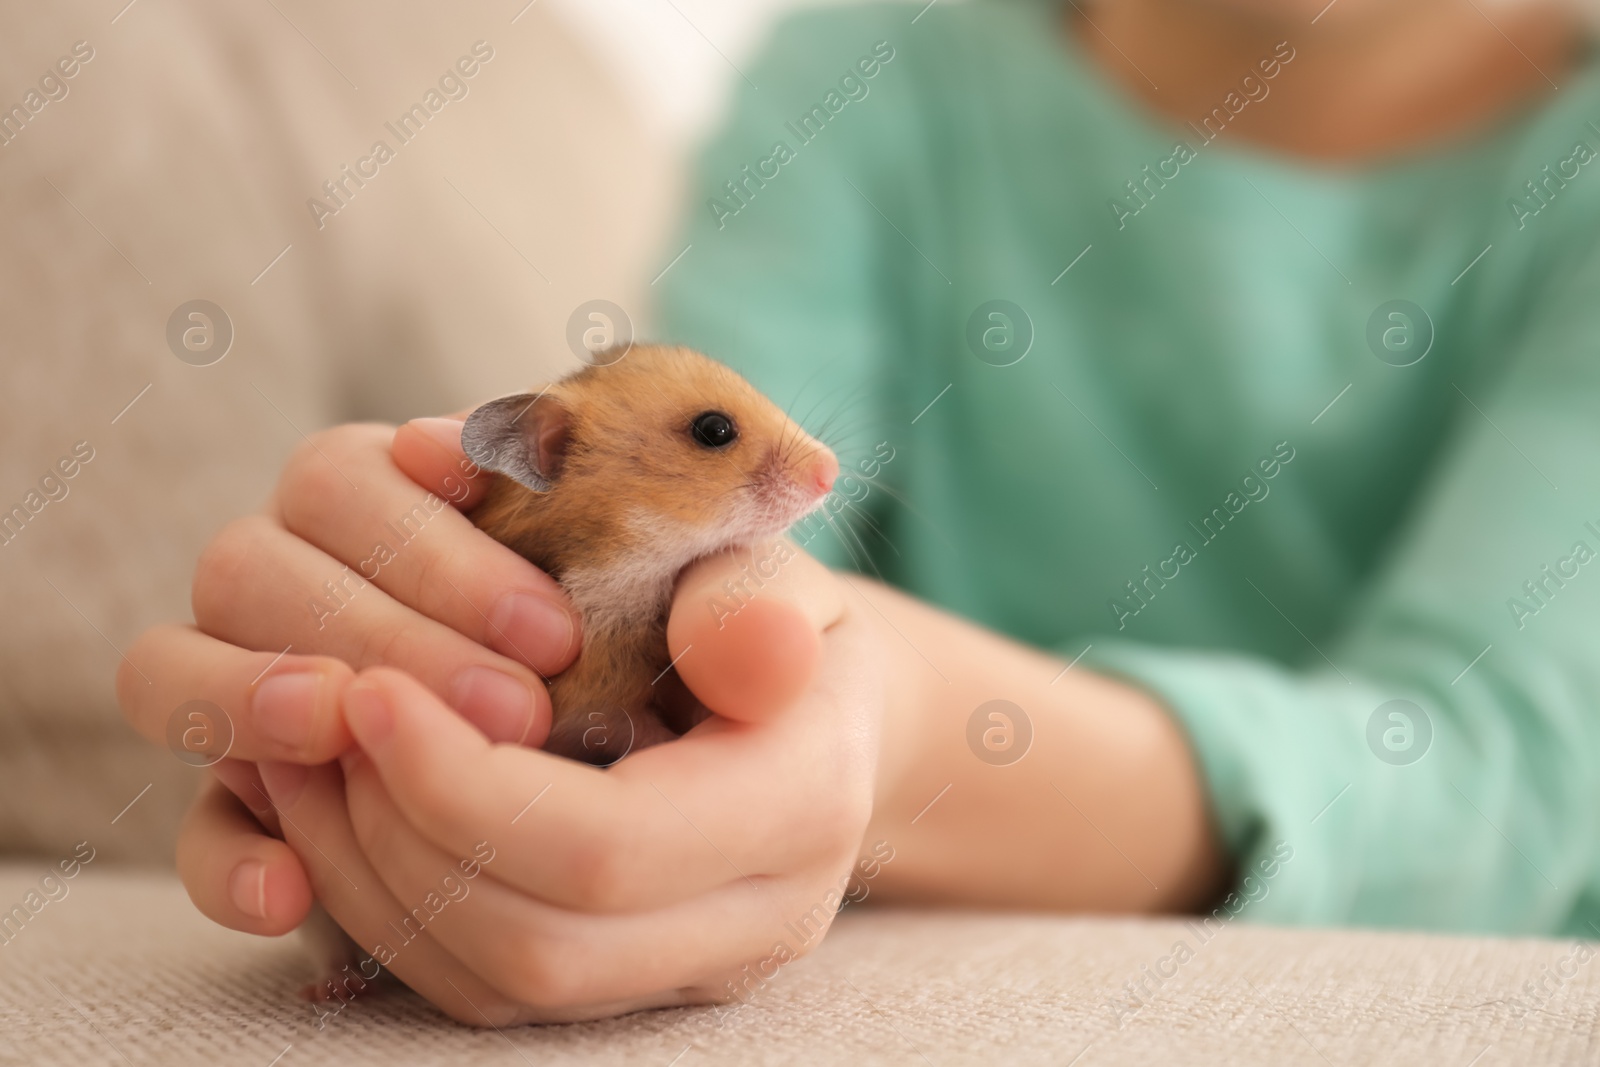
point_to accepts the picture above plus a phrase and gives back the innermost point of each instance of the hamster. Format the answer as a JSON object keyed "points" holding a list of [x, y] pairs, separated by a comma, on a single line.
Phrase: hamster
{"points": [[613, 480]]}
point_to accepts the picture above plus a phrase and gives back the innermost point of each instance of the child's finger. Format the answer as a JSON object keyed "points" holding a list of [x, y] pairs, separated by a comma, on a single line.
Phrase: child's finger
{"points": [[411, 545], [206, 699], [657, 828], [746, 625], [573, 964], [235, 873], [317, 821], [241, 598]]}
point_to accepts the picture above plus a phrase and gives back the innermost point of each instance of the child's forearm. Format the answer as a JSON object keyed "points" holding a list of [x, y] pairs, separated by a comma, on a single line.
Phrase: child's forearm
{"points": [[1103, 811]]}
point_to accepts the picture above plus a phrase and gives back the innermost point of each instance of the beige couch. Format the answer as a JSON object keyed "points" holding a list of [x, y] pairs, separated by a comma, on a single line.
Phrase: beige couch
{"points": [[178, 166], [176, 163], [122, 970]]}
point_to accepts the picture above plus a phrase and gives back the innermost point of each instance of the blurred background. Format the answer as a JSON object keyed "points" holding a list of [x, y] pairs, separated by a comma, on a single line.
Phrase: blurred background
{"points": [[178, 163]]}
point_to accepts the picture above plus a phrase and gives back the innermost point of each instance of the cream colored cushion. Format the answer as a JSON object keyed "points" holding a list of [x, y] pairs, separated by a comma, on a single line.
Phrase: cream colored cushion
{"points": [[124, 967], [178, 166]]}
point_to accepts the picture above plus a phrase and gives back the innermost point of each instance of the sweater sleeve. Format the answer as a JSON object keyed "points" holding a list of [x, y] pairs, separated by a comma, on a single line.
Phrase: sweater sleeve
{"points": [[1435, 761], [1437, 764]]}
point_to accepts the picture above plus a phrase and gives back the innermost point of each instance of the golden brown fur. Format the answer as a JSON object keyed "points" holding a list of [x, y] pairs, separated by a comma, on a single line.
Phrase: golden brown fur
{"points": [[632, 499]]}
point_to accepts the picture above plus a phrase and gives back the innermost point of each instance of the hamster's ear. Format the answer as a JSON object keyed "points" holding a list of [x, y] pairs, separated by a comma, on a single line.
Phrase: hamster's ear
{"points": [[524, 437]]}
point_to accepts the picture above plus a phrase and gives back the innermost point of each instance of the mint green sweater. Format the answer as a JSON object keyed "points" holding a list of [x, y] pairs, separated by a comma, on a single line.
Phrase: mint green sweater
{"points": [[1349, 542]]}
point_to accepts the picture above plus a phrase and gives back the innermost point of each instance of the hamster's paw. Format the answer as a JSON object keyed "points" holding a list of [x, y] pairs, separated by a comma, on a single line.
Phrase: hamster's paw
{"points": [[343, 971]]}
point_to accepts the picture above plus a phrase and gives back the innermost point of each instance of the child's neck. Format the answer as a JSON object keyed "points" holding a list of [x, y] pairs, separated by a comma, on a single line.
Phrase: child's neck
{"points": [[1370, 82]]}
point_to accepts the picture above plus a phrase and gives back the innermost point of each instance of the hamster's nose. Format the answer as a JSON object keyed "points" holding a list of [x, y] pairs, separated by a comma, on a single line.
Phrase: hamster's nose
{"points": [[820, 471]]}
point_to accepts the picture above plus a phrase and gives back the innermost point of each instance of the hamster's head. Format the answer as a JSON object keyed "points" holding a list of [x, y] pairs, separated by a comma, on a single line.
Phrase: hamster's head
{"points": [[664, 442]]}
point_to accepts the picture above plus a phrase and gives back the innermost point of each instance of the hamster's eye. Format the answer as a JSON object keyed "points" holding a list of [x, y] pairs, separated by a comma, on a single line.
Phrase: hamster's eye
{"points": [[713, 429]]}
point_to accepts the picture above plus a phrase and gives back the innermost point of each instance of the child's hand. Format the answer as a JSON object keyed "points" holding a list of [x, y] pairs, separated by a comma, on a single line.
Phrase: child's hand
{"points": [[648, 884], [611, 892], [470, 619]]}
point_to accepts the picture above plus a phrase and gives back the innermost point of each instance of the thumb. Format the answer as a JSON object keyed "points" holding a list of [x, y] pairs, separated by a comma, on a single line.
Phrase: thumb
{"points": [[746, 625]]}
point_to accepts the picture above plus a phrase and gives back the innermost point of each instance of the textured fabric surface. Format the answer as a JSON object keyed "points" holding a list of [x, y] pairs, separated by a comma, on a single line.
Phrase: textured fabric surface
{"points": [[122, 970], [179, 166]]}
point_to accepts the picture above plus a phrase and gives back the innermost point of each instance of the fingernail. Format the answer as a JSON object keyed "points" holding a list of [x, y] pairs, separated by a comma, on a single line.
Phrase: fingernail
{"points": [[367, 710], [494, 702], [283, 781], [445, 431], [535, 628], [247, 885], [284, 707]]}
